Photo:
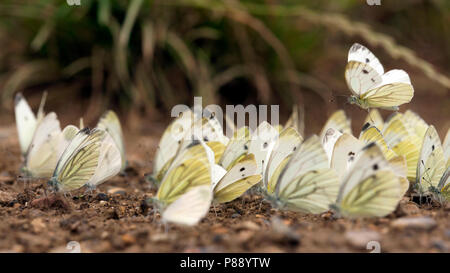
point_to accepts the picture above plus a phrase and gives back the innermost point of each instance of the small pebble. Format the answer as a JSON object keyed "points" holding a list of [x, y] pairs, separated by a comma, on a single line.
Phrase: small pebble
{"points": [[420, 223], [102, 197], [235, 215], [128, 239], [117, 190], [406, 209], [38, 225], [6, 197], [440, 245], [248, 225]]}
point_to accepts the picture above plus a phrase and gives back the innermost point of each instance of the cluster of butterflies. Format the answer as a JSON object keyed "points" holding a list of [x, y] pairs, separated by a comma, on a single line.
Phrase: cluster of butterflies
{"points": [[354, 177], [70, 158]]}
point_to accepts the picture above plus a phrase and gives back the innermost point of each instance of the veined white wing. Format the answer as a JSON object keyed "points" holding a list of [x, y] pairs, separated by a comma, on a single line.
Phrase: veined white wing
{"points": [[190, 207], [109, 162], [261, 144]]}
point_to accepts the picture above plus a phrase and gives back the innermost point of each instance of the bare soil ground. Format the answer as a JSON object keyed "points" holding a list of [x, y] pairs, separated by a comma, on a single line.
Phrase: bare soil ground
{"points": [[114, 219]]}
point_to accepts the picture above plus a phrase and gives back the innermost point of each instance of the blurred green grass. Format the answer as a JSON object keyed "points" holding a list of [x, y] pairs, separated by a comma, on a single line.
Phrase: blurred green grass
{"points": [[151, 55]]}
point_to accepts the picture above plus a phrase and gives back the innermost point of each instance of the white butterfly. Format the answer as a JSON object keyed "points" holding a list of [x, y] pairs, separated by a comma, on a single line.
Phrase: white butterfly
{"points": [[185, 192], [306, 183], [370, 188], [46, 147], [342, 149], [84, 161], [229, 185], [370, 86], [431, 165], [26, 121]]}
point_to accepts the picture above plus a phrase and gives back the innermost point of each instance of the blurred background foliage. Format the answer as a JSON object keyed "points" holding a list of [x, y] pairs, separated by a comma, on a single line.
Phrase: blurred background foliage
{"points": [[142, 57]]}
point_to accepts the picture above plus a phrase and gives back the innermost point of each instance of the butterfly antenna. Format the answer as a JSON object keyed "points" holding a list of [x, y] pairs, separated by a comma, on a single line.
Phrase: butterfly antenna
{"points": [[41, 105]]}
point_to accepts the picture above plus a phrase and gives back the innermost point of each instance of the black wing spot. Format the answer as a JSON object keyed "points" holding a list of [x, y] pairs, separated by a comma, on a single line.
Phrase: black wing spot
{"points": [[265, 145], [245, 147], [367, 125], [365, 71], [205, 138], [432, 147], [351, 153], [375, 167], [367, 60], [295, 148], [242, 169]]}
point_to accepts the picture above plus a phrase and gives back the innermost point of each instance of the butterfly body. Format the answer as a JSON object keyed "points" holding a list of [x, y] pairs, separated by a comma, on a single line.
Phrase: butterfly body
{"points": [[363, 103]]}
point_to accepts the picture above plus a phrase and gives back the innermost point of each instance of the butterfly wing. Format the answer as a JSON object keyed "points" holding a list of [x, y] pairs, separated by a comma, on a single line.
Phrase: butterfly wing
{"points": [[374, 196], [296, 120], [285, 145], [236, 148], [171, 140], [44, 150], [431, 165], [111, 124], [395, 89], [361, 54], [26, 122], [363, 70], [309, 156], [375, 119], [344, 153], [338, 121], [79, 160], [190, 207], [109, 161], [192, 168], [262, 143], [444, 184], [446, 147], [370, 188], [370, 134], [313, 192], [415, 122], [237, 181]]}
